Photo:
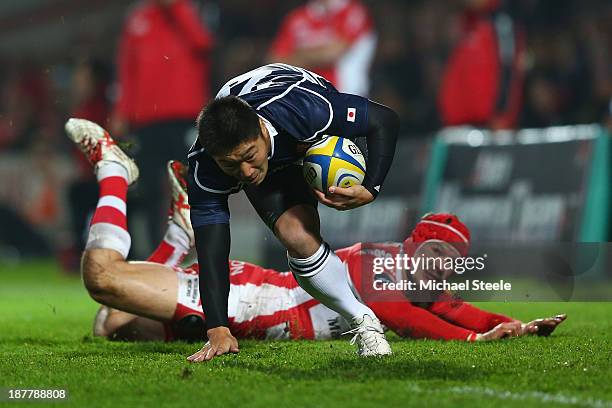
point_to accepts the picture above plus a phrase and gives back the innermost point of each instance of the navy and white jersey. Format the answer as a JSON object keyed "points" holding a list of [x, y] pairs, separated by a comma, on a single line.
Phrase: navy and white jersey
{"points": [[298, 107]]}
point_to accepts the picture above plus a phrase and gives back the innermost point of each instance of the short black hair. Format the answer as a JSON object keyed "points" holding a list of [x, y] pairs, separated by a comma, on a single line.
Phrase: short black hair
{"points": [[225, 123]]}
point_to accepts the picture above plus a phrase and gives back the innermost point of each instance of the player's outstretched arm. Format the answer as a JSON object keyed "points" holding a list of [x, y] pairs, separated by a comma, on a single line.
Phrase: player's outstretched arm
{"points": [[213, 246], [492, 326], [501, 331], [466, 315]]}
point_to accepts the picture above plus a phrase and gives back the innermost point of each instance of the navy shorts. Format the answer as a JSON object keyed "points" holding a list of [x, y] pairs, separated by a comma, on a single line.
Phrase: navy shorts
{"points": [[280, 191]]}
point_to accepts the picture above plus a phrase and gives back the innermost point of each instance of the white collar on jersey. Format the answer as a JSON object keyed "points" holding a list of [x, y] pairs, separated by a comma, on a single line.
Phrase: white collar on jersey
{"points": [[272, 132]]}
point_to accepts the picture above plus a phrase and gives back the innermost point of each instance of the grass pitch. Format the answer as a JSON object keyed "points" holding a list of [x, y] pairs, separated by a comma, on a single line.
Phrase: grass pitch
{"points": [[45, 342]]}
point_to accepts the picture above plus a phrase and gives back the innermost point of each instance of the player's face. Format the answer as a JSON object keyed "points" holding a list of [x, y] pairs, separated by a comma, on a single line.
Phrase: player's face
{"points": [[436, 253], [248, 162]]}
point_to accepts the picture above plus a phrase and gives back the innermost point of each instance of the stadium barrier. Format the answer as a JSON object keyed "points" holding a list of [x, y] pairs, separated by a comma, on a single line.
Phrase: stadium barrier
{"points": [[548, 184]]}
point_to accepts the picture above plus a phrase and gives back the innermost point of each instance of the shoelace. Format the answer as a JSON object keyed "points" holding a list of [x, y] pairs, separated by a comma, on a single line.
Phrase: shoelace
{"points": [[90, 148], [359, 330]]}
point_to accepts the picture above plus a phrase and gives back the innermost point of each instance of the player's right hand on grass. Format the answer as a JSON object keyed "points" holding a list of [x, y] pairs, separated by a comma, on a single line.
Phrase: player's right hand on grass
{"points": [[220, 341], [502, 330]]}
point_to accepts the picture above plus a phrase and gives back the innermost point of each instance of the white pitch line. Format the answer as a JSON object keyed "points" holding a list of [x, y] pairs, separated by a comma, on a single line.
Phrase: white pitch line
{"points": [[520, 396]]}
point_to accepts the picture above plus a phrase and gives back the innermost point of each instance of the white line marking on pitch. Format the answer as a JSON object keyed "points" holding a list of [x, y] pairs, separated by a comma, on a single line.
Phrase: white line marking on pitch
{"points": [[542, 396], [519, 396]]}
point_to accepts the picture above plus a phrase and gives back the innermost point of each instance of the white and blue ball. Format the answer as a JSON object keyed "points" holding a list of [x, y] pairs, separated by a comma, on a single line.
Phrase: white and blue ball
{"points": [[334, 161]]}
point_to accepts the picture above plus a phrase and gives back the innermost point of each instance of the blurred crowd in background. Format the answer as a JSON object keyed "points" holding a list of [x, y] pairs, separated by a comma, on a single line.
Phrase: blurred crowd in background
{"points": [[547, 63]]}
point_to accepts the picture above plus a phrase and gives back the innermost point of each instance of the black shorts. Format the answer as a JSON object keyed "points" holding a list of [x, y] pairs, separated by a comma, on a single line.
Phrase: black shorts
{"points": [[280, 190]]}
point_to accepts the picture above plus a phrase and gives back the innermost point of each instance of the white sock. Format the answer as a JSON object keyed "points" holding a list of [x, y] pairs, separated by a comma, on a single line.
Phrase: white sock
{"points": [[109, 236], [108, 228], [177, 236], [324, 277], [110, 169]]}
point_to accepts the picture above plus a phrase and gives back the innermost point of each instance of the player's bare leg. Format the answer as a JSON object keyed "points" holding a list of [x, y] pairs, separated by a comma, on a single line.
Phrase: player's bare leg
{"points": [[178, 240], [146, 289], [143, 288], [322, 274]]}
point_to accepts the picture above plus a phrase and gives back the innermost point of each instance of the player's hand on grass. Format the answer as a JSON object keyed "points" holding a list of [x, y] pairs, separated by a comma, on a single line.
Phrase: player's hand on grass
{"points": [[344, 199], [502, 330], [220, 341], [545, 326]]}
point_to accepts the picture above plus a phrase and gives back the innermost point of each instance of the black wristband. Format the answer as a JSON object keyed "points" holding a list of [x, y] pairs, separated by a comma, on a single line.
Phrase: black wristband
{"points": [[369, 185]]}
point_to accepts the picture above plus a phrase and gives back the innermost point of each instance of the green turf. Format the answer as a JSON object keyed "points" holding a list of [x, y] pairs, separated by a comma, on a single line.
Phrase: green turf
{"points": [[45, 342]]}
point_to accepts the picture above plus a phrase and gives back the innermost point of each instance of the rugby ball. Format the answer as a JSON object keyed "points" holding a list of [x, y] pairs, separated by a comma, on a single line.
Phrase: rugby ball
{"points": [[334, 161]]}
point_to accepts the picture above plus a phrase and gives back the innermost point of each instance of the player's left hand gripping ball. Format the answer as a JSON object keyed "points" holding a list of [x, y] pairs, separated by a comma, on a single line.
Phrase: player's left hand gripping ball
{"points": [[335, 169]]}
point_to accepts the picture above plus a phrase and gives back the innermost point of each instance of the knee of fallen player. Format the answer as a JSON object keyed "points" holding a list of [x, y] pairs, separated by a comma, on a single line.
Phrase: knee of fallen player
{"points": [[298, 230], [97, 270]]}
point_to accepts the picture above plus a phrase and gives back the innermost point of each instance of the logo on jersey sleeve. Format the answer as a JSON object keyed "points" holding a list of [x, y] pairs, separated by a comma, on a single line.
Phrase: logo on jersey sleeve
{"points": [[351, 114]]}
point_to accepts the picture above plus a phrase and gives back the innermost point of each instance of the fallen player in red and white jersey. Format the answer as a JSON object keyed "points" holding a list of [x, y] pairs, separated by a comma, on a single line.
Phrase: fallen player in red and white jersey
{"points": [[158, 300], [268, 304]]}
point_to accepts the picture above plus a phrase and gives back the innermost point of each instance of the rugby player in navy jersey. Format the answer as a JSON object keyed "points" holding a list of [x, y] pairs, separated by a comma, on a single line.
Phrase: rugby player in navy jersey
{"points": [[159, 299], [252, 137]]}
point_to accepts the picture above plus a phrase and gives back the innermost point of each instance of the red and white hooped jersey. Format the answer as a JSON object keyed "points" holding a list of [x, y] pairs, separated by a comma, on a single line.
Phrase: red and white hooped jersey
{"points": [[313, 25], [263, 304], [268, 304]]}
